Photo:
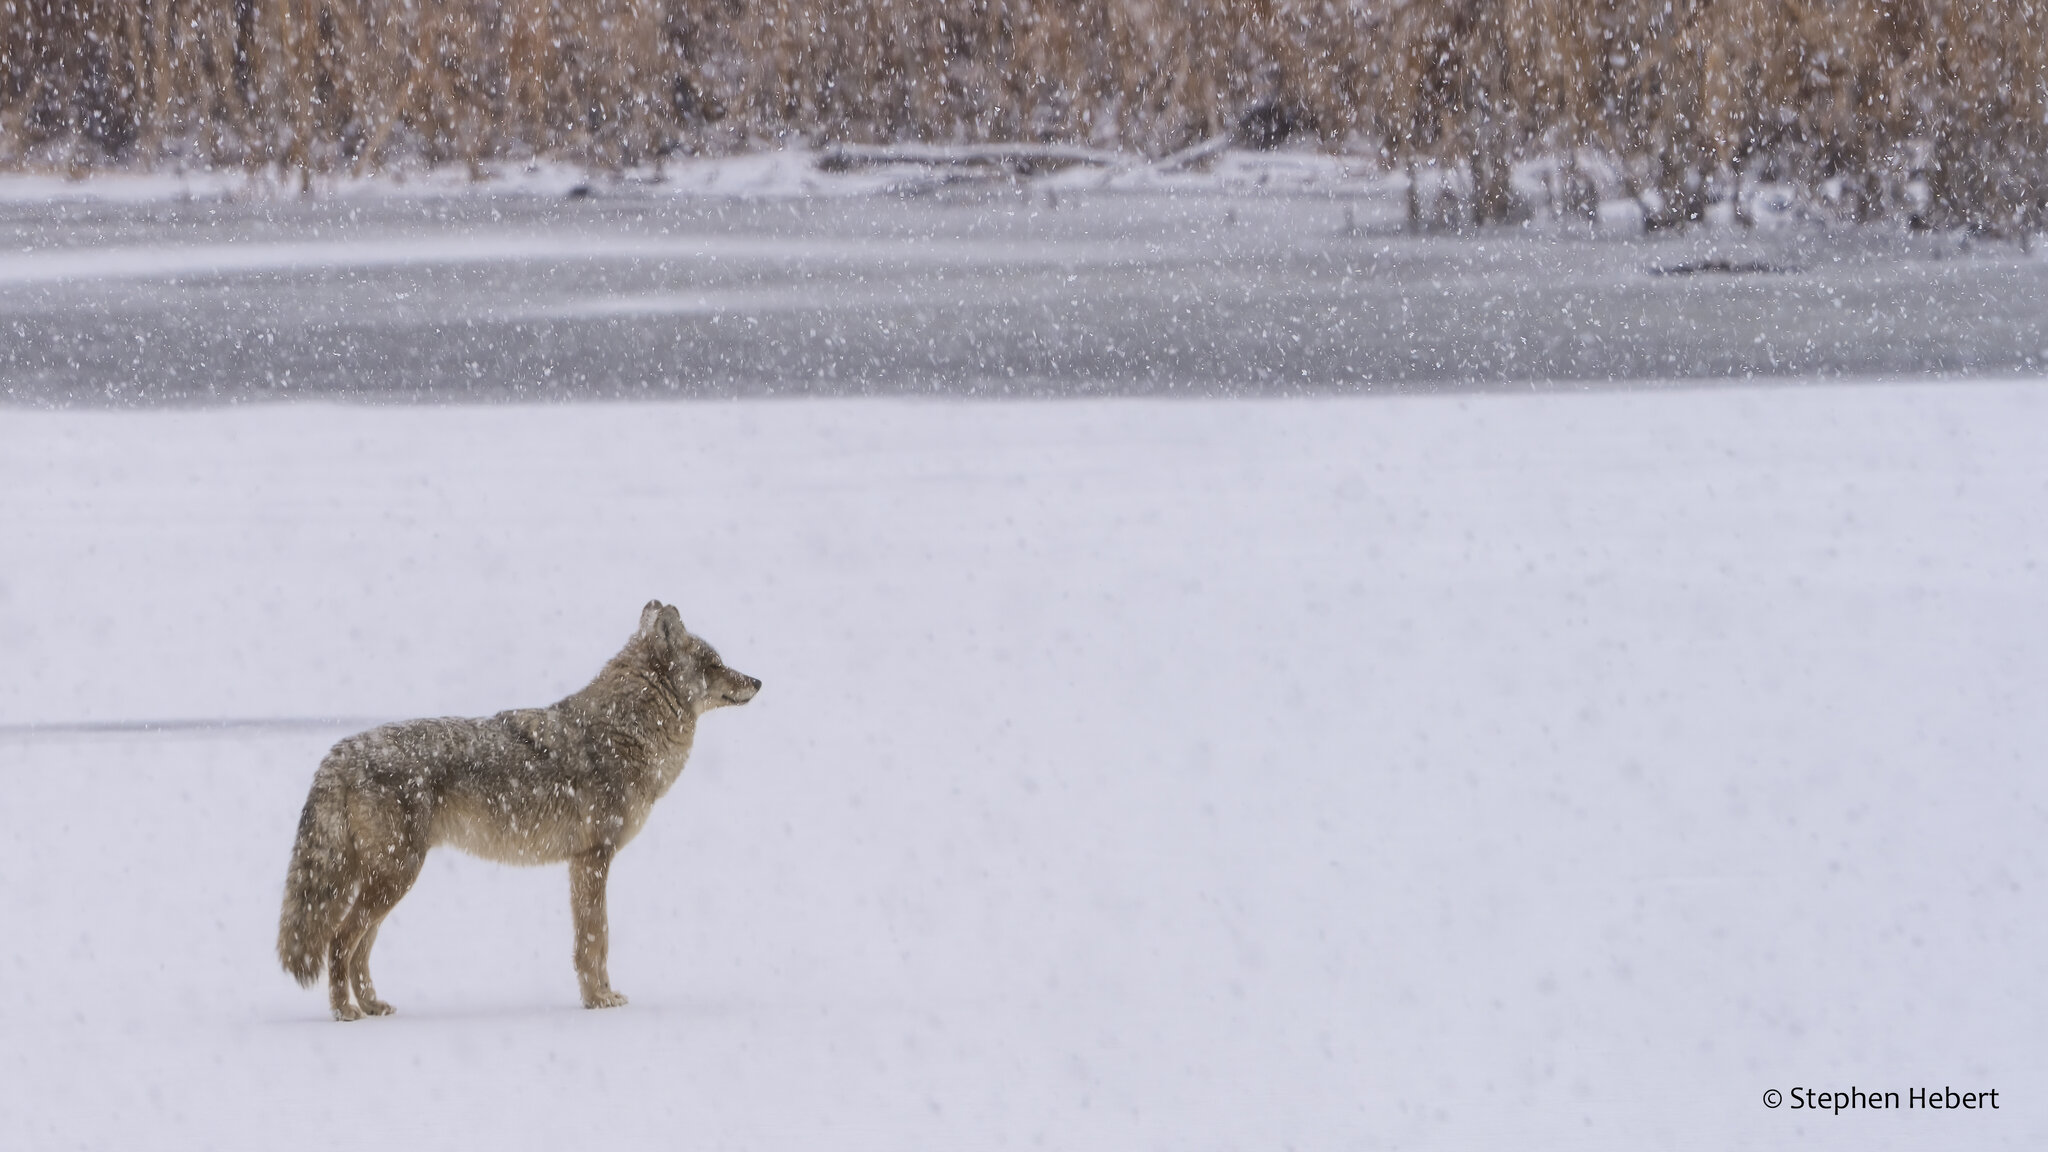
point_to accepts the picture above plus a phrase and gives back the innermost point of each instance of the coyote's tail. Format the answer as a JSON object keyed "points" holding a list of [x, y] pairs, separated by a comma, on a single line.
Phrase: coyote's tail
{"points": [[318, 886]]}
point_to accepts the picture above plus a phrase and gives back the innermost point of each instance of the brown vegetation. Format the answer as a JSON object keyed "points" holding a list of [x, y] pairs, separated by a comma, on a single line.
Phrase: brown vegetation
{"points": [[1933, 108]]}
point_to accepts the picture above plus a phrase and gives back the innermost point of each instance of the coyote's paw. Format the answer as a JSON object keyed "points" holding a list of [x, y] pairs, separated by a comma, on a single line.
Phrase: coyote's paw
{"points": [[604, 998], [377, 1008], [347, 1012]]}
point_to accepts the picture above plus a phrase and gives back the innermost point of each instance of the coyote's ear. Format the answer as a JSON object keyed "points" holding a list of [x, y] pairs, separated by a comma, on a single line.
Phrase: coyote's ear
{"points": [[649, 614], [670, 622]]}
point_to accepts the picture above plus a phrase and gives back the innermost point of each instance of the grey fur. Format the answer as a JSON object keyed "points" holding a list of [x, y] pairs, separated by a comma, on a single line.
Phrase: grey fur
{"points": [[573, 783]]}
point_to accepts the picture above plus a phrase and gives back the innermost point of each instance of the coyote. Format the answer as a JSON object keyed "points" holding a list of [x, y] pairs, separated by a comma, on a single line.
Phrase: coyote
{"points": [[532, 786]]}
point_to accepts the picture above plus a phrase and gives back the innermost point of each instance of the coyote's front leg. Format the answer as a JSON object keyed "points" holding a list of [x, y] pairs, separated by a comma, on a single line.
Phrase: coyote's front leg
{"points": [[586, 903]]}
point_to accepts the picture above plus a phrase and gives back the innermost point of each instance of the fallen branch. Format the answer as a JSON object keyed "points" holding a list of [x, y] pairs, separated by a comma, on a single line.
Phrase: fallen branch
{"points": [[1023, 158], [1194, 154]]}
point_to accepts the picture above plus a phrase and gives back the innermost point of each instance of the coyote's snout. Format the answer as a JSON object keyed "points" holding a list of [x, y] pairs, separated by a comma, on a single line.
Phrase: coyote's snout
{"points": [[572, 782]]}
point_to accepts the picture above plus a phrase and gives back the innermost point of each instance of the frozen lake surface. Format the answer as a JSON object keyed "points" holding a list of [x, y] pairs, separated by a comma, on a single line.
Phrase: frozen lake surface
{"points": [[1036, 289], [1474, 771]]}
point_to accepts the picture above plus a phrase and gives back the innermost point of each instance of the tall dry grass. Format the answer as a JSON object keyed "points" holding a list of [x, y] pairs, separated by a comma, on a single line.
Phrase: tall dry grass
{"points": [[1939, 107]]}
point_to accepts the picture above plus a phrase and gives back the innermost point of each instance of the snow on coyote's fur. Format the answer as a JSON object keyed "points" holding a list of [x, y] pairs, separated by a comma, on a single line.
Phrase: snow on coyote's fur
{"points": [[571, 782]]}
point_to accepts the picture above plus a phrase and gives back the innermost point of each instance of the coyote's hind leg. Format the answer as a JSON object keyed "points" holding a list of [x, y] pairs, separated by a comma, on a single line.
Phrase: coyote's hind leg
{"points": [[359, 975], [350, 957]]}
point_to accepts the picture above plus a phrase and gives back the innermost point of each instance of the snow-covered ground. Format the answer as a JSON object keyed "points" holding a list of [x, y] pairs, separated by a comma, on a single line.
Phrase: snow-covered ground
{"points": [[784, 174], [1482, 772]]}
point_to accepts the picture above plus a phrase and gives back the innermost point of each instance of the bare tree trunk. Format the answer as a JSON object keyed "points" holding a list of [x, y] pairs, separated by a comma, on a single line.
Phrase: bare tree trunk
{"points": [[1414, 194], [1494, 200]]}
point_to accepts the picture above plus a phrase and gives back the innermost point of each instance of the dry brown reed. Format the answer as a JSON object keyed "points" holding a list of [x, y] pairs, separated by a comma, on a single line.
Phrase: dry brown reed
{"points": [[1937, 108]]}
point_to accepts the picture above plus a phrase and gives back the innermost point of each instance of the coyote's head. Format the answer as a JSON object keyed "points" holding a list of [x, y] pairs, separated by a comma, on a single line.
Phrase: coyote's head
{"points": [[691, 666]]}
